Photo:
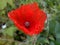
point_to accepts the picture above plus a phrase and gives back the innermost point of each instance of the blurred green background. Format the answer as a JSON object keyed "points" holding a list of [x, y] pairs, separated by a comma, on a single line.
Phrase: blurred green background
{"points": [[9, 34]]}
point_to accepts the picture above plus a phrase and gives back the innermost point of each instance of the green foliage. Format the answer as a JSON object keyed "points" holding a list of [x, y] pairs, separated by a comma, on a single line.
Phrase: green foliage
{"points": [[10, 31], [52, 25], [3, 3]]}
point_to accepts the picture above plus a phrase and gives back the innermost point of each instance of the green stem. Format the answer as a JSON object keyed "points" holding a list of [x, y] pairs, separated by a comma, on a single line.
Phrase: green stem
{"points": [[32, 40]]}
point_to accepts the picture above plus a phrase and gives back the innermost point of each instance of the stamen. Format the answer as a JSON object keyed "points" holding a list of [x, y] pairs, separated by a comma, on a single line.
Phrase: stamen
{"points": [[27, 24]]}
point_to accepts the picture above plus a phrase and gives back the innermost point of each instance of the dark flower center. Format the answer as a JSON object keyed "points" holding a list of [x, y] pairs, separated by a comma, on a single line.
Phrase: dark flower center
{"points": [[27, 24]]}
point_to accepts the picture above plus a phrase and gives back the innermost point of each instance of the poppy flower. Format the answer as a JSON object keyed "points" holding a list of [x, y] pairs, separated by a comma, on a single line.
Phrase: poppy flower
{"points": [[28, 18]]}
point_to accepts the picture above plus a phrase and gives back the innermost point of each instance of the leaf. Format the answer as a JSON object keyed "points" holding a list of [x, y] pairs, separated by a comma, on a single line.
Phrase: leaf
{"points": [[2, 4], [51, 38], [46, 41], [42, 40], [52, 43], [10, 2], [10, 31], [57, 43], [52, 25], [57, 30], [58, 17]]}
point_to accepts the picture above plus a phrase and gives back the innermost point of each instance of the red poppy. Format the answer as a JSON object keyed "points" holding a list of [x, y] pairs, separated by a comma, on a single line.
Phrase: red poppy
{"points": [[28, 18]]}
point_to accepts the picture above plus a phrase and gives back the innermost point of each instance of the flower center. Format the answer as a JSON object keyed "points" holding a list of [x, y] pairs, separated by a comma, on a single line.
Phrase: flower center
{"points": [[27, 24]]}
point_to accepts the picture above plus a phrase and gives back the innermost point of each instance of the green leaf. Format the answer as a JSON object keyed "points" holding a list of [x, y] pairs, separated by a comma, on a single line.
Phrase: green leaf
{"points": [[58, 17], [10, 31], [46, 41], [57, 43], [51, 38], [52, 43], [57, 30], [10, 2], [42, 40], [52, 25], [2, 4]]}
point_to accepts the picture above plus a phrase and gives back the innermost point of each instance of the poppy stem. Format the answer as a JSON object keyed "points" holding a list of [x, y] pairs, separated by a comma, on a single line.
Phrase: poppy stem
{"points": [[32, 40]]}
